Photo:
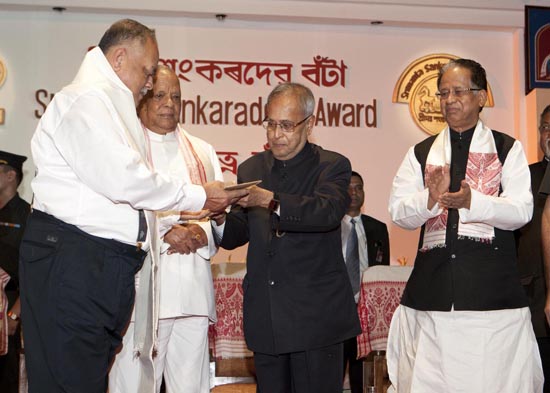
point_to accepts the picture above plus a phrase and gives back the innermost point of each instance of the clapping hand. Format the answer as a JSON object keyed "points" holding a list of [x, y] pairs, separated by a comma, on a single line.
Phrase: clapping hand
{"points": [[438, 183], [457, 200]]}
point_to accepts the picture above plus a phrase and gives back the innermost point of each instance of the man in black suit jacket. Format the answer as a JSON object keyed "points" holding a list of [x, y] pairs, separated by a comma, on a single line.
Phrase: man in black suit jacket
{"points": [[531, 264], [374, 249], [298, 302]]}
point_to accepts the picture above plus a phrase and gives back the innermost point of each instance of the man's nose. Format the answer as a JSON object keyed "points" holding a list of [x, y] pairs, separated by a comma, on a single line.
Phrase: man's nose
{"points": [[170, 101], [278, 132], [149, 82]]}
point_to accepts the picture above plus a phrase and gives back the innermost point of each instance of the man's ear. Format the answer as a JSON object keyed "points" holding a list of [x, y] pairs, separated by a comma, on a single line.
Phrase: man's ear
{"points": [[142, 108], [482, 96], [11, 175], [118, 57], [310, 124]]}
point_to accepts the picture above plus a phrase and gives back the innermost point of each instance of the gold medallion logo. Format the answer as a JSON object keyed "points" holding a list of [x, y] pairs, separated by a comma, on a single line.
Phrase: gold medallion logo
{"points": [[417, 86]]}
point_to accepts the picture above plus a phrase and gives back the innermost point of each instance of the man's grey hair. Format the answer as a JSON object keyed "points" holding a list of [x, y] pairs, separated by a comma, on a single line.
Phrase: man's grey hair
{"points": [[125, 30], [305, 96]]}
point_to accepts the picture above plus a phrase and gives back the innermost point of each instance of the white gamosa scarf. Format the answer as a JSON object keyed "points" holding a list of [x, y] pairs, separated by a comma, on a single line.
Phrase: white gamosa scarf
{"points": [[483, 174]]}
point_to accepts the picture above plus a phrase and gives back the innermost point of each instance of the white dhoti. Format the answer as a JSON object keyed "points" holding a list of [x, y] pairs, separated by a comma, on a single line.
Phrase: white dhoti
{"points": [[463, 351], [125, 372], [181, 357]]}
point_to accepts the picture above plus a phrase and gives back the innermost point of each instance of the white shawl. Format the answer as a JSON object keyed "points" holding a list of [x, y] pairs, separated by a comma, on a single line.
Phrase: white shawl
{"points": [[483, 173]]}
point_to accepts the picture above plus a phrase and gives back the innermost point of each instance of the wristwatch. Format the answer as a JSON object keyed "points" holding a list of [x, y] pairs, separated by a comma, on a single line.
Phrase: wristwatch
{"points": [[13, 316], [274, 203]]}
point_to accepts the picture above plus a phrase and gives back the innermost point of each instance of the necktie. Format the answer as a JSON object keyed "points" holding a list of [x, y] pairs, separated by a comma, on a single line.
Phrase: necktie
{"points": [[352, 258]]}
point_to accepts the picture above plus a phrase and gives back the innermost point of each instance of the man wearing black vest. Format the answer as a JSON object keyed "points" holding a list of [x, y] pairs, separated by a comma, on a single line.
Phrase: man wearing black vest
{"points": [[531, 264], [463, 323]]}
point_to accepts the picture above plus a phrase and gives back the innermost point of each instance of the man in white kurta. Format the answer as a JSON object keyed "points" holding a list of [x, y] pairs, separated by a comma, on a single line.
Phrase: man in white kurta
{"points": [[186, 291], [463, 324]]}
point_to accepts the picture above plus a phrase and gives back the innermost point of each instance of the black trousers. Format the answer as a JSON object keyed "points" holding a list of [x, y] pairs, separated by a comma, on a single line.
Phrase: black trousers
{"points": [[77, 293], [313, 371], [355, 365]]}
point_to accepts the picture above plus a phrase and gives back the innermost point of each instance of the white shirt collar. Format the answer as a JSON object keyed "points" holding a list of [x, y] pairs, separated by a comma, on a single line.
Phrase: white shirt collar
{"points": [[347, 218], [153, 136]]}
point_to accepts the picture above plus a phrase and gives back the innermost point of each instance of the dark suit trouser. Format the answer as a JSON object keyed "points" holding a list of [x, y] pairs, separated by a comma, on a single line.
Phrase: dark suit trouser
{"points": [[313, 371], [355, 365], [77, 294]]}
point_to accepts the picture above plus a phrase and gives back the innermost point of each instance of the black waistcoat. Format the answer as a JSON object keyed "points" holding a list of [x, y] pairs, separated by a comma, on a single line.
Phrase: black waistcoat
{"points": [[469, 274]]}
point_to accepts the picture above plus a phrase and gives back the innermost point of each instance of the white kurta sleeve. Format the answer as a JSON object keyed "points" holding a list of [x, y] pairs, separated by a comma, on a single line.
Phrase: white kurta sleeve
{"points": [[166, 221], [105, 163], [513, 208], [409, 198]]}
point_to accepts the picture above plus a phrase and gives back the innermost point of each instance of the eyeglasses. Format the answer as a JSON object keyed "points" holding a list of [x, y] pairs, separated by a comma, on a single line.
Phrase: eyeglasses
{"points": [[286, 125], [544, 127], [458, 93]]}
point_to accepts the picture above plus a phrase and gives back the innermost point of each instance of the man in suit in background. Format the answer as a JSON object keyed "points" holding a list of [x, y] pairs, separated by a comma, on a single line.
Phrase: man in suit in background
{"points": [[365, 242], [531, 264]]}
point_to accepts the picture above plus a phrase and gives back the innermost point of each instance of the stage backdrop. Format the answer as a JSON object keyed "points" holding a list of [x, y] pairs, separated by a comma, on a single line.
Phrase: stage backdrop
{"points": [[227, 69]]}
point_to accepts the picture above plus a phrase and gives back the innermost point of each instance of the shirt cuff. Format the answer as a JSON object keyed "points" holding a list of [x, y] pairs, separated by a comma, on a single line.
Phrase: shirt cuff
{"points": [[194, 199], [477, 211], [217, 231], [426, 213]]}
